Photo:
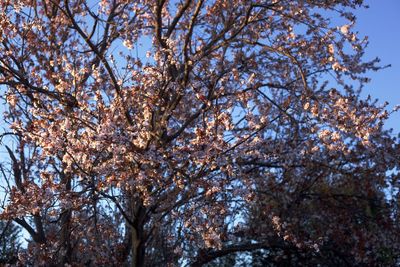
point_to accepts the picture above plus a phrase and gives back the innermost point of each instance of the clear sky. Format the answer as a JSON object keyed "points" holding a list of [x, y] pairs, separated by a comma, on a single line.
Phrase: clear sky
{"points": [[381, 23]]}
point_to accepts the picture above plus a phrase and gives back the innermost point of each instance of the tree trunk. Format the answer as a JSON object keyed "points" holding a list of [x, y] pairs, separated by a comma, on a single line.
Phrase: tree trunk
{"points": [[66, 225], [138, 247], [137, 233], [66, 237]]}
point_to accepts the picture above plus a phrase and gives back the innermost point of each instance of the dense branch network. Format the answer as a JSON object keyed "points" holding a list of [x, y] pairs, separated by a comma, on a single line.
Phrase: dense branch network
{"points": [[164, 132]]}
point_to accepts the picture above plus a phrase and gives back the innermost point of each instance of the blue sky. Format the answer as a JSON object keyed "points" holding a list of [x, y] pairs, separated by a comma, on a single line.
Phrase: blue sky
{"points": [[381, 23]]}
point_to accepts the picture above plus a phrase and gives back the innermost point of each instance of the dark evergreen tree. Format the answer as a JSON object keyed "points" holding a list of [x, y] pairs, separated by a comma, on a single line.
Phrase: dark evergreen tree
{"points": [[9, 242]]}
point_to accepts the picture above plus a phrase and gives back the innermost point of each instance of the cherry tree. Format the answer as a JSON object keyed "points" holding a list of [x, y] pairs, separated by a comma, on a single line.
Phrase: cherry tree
{"points": [[160, 132]]}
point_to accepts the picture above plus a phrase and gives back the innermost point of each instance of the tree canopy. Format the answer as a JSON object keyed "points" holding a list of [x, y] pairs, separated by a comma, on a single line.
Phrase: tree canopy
{"points": [[195, 133]]}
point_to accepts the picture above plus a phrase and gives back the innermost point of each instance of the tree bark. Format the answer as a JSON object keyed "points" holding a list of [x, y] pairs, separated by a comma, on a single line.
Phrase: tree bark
{"points": [[137, 233], [137, 248]]}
